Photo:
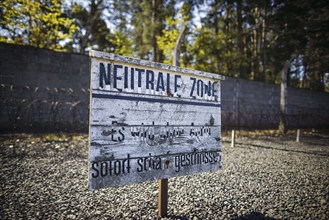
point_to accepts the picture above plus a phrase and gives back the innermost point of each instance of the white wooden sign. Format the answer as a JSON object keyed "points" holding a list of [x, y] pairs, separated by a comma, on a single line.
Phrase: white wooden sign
{"points": [[151, 121]]}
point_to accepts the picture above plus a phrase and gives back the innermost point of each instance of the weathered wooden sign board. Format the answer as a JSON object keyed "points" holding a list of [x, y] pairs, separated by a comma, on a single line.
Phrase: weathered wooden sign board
{"points": [[150, 121]]}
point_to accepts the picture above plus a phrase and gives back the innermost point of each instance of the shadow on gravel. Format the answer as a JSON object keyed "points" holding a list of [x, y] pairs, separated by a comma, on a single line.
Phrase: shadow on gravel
{"points": [[177, 217], [250, 216], [280, 149], [254, 216]]}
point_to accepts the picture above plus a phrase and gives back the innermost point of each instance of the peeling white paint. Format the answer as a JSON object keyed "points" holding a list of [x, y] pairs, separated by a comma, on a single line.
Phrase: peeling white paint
{"points": [[151, 121]]}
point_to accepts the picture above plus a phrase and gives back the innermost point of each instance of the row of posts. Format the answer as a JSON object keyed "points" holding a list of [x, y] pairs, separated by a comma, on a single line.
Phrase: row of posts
{"points": [[234, 136]]}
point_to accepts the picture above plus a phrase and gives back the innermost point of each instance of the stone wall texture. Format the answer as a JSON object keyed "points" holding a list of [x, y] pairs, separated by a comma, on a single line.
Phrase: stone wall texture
{"points": [[46, 91]]}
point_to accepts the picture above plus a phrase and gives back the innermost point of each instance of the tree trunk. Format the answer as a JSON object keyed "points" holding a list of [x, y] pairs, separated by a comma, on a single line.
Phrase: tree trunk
{"points": [[154, 43], [264, 44], [283, 98], [176, 52], [217, 52], [255, 53], [228, 34], [242, 68]]}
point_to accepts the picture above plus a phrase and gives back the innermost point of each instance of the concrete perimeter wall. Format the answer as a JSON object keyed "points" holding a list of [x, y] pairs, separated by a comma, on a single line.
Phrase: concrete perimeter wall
{"points": [[250, 104], [42, 90]]}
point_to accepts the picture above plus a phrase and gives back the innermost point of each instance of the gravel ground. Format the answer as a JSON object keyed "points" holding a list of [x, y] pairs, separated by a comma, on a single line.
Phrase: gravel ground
{"points": [[262, 178]]}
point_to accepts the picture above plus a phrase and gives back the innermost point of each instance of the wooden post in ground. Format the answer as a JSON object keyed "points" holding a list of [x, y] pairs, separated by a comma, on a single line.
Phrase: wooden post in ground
{"points": [[163, 183], [233, 139], [163, 197], [298, 135]]}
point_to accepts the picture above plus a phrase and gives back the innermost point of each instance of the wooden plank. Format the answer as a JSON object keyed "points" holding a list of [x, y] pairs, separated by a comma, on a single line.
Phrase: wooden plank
{"points": [[149, 123], [138, 62]]}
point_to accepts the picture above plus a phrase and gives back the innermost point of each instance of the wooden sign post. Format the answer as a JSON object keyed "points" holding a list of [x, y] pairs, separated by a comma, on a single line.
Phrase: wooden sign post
{"points": [[163, 197], [150, 121]]}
